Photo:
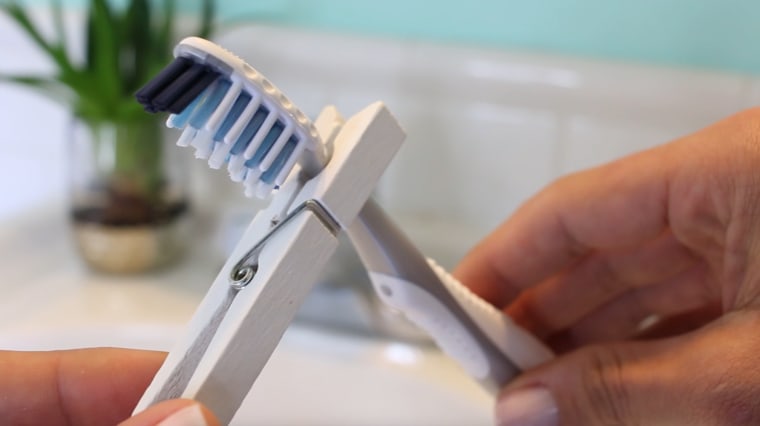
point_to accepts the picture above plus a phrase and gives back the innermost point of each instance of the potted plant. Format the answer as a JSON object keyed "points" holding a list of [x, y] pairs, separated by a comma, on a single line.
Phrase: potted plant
{"points": [[127, 201]]}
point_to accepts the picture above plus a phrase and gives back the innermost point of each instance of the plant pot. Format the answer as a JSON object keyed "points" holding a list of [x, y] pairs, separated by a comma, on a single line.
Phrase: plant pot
{"points": [[129, 202]]}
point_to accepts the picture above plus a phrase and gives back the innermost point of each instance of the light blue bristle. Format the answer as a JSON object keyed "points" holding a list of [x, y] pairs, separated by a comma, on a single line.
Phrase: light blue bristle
{"points": [[266, 144], [282, 158], [180, 120], [237, 108], [250, 130], [209, 104]]}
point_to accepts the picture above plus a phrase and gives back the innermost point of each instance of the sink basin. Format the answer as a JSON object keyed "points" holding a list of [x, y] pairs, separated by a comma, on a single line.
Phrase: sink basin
{"points": [[317, 377]]}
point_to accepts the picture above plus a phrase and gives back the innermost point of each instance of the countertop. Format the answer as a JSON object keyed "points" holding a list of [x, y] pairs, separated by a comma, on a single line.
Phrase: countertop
{"points": [[45, 286], [51, 301]]}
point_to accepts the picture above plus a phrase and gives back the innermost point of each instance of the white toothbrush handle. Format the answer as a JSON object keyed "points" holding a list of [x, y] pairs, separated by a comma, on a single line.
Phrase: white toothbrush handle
{"points": [[486, 342]]}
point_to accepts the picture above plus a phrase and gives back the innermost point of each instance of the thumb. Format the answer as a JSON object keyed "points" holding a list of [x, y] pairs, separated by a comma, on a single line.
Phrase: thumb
{"points": [[594, 385], [705, 377], [176, 412]]}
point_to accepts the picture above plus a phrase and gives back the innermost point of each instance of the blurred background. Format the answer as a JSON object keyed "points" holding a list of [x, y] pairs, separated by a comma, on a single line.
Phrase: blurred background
{"points": [[512, 93], [498, 98]]}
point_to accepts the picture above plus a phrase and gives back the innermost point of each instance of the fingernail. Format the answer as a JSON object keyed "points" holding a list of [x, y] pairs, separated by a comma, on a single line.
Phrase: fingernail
{"points": [[188, 416], [527, 407]]}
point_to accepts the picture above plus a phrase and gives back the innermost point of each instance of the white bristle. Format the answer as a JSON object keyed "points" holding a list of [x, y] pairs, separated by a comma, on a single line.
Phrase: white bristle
{"points": [[203, 144], [234, 133], [287, 168], [237, 168], [249, 192], [260, 135], [263, 189], [219, 155], [224, 106], [170, 122], [250, 182], [251, 189], [268, 159], [187, 136], [252, 177]]}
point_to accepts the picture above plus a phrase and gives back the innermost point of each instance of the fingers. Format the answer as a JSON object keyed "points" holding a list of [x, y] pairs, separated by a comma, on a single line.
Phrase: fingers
{"points": [[705, 377], [83, 387], [622, 317], [87, 387], [599, 278], [682, 323], [601, 385], [611, 206], [178, 412]]}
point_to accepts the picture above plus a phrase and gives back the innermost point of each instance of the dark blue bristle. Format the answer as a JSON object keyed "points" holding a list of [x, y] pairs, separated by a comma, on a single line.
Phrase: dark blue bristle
{"points": [[266, 144], [193, 92], [176, 86], [179, 86], [152, 88], [274, 170], [250, 130]]}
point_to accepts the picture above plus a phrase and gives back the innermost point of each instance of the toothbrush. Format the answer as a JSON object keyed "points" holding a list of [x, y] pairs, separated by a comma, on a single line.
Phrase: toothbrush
{"points": [[232, 115]]}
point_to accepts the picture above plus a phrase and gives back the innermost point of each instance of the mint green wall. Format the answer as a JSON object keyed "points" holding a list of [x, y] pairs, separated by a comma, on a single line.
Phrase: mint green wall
{"points": [[703, 33], [722, 34]]}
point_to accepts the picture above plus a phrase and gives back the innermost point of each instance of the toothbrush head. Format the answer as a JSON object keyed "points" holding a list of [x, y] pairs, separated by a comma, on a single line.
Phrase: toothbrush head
{"points": [[233, 115]]}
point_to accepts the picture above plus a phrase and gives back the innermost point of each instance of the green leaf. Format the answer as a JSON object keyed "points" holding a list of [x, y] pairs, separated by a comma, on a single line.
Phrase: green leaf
{"points": [[128, 110], [163, 43], [80, 82], [136, 43], [60, 29], [207, 19], [21, 18], [56, 52], [36, 82], [47, 86], [125, 46], [103, 52]]}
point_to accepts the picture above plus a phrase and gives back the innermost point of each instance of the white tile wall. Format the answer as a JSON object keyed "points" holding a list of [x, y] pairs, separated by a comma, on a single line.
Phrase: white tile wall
{"points": [[469, 163], [486, 128]]}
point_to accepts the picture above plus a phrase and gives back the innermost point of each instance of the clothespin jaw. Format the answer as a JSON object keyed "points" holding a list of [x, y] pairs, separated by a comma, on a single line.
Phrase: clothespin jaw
{"points": [[273, 267]]}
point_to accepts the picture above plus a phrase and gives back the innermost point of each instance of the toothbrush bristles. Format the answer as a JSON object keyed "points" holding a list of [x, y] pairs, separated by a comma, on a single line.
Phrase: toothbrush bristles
{"points": [[176, 86], [229, 119]]}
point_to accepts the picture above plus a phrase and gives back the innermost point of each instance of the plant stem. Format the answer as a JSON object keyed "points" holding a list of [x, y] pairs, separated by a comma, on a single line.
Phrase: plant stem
{"points": [[130, 156]]}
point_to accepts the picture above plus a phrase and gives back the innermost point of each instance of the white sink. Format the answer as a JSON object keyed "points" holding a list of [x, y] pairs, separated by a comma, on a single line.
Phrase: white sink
{"points": [[319, 378]]}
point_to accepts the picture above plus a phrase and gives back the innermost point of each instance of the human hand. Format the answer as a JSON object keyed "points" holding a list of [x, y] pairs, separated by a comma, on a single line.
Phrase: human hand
{"points": [[644, 274], [87, 387]]}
